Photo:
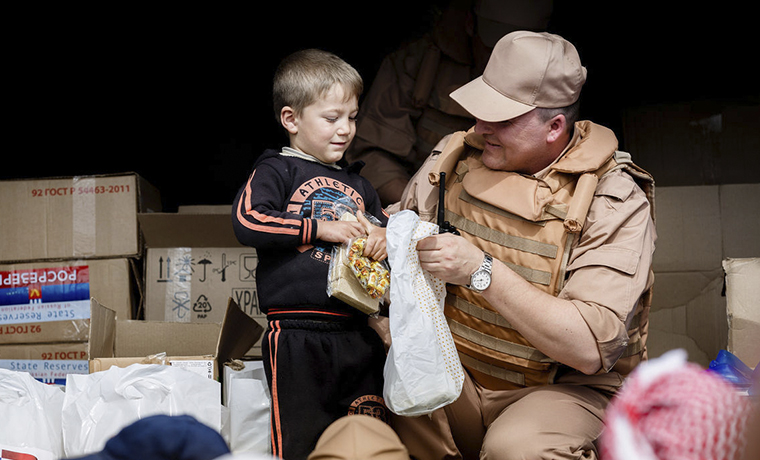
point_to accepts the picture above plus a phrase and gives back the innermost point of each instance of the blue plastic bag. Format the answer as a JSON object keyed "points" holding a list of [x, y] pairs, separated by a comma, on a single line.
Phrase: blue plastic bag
{"points": [[731, 368]]}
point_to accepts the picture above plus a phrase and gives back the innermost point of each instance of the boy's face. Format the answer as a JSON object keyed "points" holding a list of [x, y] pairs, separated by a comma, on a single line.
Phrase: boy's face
{"points": [[325, 128]]}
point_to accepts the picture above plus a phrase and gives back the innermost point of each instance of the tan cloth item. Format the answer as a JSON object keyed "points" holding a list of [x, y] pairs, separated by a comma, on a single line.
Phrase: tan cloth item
{"points": [[359, 437]]}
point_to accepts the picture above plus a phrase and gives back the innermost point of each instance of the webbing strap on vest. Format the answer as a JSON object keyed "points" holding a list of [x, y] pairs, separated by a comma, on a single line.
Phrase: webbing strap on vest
{"points": [[494, 371], [467, 198], [496, 344], [503, 239], [529, 274], [477, 312]]}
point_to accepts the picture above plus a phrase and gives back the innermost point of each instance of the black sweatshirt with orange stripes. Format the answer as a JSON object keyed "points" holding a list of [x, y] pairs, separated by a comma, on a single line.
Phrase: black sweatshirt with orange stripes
{"points": [[277, 211]]}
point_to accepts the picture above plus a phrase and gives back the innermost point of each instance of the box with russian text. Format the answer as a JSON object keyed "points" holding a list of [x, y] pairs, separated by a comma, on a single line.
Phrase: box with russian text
{"points": [[73, 217], [50, 301], [50, 362]]}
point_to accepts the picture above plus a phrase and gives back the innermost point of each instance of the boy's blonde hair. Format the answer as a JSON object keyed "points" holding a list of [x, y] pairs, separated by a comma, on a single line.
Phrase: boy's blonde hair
{"points": [[306, 75]]}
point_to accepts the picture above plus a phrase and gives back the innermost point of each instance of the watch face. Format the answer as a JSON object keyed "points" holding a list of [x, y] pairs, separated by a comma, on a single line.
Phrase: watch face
{"points": [[480, 280]]}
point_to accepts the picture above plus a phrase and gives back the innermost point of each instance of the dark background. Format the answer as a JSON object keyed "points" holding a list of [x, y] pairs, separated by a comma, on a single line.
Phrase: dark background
{"points": [[181, 95]]}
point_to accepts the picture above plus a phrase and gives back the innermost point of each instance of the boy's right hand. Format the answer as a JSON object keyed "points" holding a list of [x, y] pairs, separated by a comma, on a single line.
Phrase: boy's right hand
{"points": [[338, 231]]}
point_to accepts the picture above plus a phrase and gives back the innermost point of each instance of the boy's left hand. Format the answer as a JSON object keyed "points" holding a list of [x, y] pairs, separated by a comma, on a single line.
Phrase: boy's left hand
{"points": [[375, 247]]}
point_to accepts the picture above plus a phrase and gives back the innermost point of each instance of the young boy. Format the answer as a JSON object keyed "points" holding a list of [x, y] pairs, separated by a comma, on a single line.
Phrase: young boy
{"points": [[321, 358]]}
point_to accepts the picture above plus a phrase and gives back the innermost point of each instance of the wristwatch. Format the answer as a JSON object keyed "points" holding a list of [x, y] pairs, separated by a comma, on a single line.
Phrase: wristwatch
{"points": [[481, 279]]}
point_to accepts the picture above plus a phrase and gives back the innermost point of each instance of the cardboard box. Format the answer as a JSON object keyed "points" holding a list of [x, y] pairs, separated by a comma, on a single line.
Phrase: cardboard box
{"points": [[73, 218], [160, 342], [698, 227], [26, 452], [49, 362], [743, 308], [87, 321], [200, 347], [49, 292], [144, 338], [193, 265]]}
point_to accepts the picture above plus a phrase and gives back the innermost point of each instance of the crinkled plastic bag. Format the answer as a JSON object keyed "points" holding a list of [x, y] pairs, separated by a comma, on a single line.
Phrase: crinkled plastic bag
{"points": [[728, 366], [422, 372], [373, 275], [346, 282], [97, 406], [31, 416]]}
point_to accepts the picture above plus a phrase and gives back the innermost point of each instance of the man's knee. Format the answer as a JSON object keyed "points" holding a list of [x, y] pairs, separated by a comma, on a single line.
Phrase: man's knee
{"points": [[530, 440], [520, 442], [511, 448]]}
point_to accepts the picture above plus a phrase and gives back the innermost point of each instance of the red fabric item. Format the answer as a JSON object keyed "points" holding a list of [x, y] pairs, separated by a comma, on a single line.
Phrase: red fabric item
{"points": [[671, 409]]}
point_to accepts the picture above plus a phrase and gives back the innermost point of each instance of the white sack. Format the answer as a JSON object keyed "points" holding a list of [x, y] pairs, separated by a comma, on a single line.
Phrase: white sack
{"points": [[422, 372], [249, 417], [30, 421], [97, 406], [247, 397]]}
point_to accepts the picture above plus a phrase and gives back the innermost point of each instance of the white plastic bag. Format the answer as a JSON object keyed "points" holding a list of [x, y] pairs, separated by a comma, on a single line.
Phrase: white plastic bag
{"points": [[97, 406], [31, 416], [423, 371], [248, 400]]}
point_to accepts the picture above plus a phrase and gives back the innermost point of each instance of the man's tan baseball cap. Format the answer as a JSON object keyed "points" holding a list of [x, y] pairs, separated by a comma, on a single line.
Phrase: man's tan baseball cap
{"points": [[359, 437], [526, 70]]}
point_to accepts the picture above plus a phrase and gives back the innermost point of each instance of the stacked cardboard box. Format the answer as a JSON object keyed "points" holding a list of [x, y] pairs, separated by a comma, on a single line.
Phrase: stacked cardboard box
{"points": [[199, 347], [194, 265], [66, 286], [73, 218], [68, 267], [700, 227], [51, 349], [743, 308]]}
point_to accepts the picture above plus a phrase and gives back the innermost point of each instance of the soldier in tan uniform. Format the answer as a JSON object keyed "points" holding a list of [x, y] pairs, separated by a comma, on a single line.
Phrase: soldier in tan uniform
{"points": [[408, 109], [549, 283]]}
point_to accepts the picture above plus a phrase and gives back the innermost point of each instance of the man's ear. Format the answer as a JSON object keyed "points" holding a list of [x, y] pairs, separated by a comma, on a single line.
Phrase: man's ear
{"points": [[289, 119], [557, 128]]}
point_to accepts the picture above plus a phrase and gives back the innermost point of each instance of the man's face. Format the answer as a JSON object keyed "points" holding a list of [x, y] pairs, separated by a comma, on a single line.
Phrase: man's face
{"points": [[517, 145]]}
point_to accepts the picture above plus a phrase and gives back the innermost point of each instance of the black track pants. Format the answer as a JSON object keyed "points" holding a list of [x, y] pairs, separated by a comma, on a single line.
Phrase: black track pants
{"points": [[318, 372]]}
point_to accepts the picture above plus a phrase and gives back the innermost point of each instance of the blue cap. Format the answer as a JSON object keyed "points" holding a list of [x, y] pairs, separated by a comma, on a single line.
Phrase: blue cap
{"points": [[161, 437]]}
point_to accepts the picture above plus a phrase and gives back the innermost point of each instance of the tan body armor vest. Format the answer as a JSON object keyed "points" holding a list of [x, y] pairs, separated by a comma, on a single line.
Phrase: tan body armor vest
{"points": [[529, 224]]}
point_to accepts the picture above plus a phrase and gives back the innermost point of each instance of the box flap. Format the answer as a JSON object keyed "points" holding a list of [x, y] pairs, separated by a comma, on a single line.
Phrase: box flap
{"points": [[169, 230], [239, 333], [102, 330], [145, 338]]}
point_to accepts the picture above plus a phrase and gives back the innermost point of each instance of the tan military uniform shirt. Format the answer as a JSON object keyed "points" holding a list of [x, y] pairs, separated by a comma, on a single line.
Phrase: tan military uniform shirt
{"points": [[408, 109], [609, 266]]}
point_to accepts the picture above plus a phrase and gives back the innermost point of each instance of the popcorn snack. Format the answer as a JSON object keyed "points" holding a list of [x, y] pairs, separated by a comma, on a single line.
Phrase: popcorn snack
{"points": [[343, 284], [372, 275]]}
